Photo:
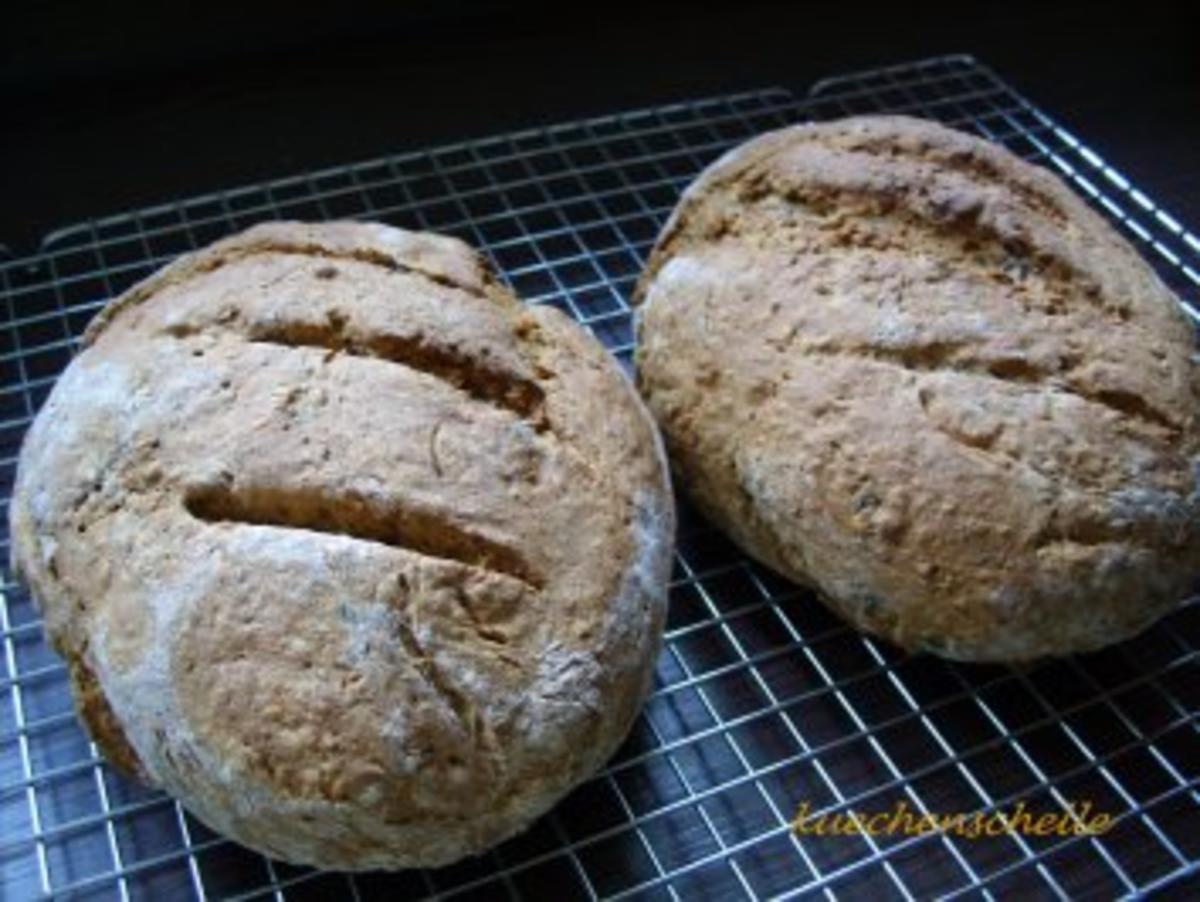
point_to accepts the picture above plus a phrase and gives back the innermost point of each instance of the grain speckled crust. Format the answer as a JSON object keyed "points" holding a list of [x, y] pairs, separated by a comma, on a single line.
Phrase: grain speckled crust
{"points": [[901, 365], [349, 550]]}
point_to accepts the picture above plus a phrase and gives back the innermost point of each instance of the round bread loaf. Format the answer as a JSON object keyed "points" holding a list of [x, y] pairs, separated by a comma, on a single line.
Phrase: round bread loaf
{"points": [[349, 550], [901, 365]]}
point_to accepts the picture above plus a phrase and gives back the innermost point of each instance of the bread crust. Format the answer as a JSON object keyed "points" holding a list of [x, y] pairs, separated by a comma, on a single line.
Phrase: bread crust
{"points": [[901, 365], [349, 550]]}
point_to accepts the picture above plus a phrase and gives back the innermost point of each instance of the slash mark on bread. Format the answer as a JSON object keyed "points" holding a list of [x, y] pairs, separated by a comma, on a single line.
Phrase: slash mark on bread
{"points": [[366, 255], [960, 357], [480, 381], [370, 520]]}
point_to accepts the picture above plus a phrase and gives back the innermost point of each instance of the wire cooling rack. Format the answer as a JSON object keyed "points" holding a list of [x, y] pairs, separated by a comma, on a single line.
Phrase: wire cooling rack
{"points": [[762, 700]]}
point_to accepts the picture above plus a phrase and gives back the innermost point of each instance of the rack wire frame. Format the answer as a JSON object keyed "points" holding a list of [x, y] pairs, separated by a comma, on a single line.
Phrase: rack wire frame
{"points": [[762, 700]]}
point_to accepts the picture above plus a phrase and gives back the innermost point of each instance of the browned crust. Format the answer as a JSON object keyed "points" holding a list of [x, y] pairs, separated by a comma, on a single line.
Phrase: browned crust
{"points": [[429, 256], [296, 515], [102, 723], [900, 364]]}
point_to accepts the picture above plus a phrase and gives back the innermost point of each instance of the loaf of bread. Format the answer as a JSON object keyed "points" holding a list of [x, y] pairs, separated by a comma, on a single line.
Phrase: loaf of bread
{"points": [[899, 364], [356, 555]]}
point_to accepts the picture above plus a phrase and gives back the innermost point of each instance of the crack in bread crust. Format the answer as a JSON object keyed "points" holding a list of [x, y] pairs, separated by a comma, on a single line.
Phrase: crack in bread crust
{"points": [[466, 713]]}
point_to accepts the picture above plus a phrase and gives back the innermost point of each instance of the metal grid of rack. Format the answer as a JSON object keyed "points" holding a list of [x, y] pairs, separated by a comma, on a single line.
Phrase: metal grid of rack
{"points": [[762, 700]]}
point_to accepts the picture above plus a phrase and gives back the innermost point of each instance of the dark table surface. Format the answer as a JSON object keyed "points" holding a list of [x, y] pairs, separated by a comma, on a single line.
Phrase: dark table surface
{"points": [[118, 106]]}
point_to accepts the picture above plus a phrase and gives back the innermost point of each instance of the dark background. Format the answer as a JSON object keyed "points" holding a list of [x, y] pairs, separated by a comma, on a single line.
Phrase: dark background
{"points": [[109, 106]]}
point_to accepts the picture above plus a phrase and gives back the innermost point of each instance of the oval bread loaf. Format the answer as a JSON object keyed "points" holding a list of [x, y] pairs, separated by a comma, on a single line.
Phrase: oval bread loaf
{"points": [[899, 364], [353, 553]]}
